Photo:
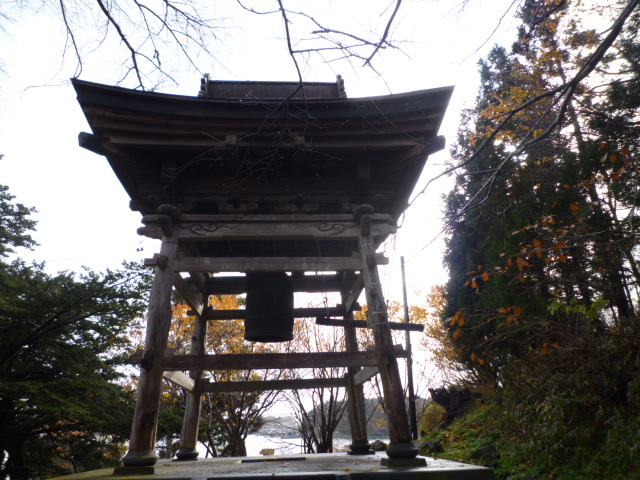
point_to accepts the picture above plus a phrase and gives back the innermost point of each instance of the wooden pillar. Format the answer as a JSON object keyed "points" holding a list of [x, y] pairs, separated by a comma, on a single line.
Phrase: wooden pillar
{"points": [[191, 421], [401, 446], [355, 393], [143, 430]]}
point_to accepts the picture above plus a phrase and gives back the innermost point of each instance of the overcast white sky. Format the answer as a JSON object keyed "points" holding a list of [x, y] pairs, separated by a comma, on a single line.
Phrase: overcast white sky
{"points": [[83, 215]]}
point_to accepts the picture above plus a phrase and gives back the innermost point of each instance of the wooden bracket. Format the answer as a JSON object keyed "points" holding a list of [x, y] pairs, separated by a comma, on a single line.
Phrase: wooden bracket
{"points": [[158, 260], [165, 222]]}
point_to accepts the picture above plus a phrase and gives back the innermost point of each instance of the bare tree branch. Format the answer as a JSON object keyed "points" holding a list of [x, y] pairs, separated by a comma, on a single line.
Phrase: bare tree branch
{"points": [[383, 39]]}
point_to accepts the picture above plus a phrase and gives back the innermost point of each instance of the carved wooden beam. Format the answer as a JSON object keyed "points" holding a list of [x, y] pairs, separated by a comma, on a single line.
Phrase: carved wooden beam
{"points": [[276, 227]]}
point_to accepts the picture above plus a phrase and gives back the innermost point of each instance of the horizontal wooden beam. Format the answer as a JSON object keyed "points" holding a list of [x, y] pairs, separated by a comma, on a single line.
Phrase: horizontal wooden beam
{"points": [[228, 285], [264, 385], [269, 264], [180, 379], [257, 361], [365, 374], [211, 314], [411, 327]]}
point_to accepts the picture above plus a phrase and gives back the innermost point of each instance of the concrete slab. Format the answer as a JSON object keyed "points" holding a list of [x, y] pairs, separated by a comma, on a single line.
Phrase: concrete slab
{"points": [[328, 466]]}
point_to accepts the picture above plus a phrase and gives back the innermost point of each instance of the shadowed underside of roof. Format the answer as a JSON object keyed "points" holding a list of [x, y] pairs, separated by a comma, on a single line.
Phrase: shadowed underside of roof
{"points": [[300, 155]]}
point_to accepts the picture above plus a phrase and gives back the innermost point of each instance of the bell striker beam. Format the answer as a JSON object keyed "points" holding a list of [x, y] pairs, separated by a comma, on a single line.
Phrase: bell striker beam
{"points": [[401, 446], [143, 431]]}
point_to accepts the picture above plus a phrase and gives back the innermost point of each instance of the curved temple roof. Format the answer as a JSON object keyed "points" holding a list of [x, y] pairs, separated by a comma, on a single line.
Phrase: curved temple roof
{"points": [[231, 156]]}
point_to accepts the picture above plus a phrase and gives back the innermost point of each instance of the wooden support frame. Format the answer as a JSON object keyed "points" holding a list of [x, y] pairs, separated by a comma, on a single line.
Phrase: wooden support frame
{"points": [[269, 264], [191, 420], [411, 327], [257, 227], [365, 374], [180, 379], [143, 430], [293, 218], [401, 445], [356, 411], [266, 361]]}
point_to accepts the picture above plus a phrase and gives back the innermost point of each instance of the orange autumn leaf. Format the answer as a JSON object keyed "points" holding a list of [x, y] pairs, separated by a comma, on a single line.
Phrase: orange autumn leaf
{"points": [[563, 258], [545, 348], [575, 207], [486, 276], [517, 311], [522, 263], [457, 333]]}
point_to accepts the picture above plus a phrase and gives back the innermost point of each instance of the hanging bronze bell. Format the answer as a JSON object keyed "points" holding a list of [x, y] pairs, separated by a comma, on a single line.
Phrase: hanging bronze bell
{"points": [[269, 307]]}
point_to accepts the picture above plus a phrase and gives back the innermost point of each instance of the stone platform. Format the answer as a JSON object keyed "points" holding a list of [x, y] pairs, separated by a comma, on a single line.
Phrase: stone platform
{"points": [[328, 466]]}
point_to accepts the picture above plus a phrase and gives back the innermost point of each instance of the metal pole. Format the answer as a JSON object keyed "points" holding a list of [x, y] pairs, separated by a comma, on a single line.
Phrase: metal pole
{"points": [[413, 421]]}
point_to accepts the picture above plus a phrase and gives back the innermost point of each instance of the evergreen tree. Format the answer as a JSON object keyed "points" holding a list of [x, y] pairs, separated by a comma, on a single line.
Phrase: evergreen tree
{"points": [[62, 409], [542, 247]]}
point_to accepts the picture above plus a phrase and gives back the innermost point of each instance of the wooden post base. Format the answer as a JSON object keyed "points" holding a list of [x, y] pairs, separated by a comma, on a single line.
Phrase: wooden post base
{"points": [[402, 450], [139, 458], [187, 454], [362, 447]]}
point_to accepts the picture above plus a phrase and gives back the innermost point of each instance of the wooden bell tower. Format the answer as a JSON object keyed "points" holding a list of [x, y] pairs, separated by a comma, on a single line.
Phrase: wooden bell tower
{"points": [[265, 177]]}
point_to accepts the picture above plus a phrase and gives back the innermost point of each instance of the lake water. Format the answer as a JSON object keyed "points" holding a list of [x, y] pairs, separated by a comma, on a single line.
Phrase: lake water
{"points": [[283, 445]]}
